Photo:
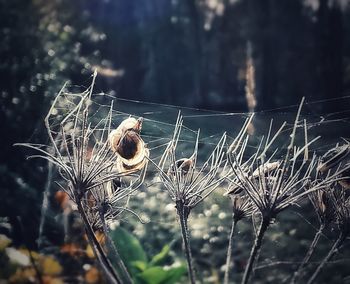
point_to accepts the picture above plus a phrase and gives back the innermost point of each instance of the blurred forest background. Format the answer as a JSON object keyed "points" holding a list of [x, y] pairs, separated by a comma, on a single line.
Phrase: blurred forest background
{"points": [[190, 53]]}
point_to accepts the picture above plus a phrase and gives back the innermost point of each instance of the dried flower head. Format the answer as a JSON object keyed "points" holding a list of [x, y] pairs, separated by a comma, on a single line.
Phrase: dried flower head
{"points": [[184, 180], [275, 184], [105, 204], [82, 152], [127, 143], [130, 148], [87, 164]]}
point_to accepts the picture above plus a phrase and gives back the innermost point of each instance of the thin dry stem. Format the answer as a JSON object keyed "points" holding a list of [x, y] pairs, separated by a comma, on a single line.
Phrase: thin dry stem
{"points": [[334, 249], [299, 272], [229, 251], [255, 250]]}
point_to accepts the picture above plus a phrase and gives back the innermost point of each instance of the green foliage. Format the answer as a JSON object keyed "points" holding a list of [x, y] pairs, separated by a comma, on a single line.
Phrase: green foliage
{"points": [[158, 275], [129, 248], [158, 258], [142, 270]]}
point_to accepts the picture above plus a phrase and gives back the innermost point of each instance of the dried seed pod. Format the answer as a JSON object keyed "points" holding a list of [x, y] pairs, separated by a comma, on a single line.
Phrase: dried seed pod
{"points": [[182, 165], [131, 148], [124, 165], [333, 157], [130, 124], [266, 168], [127, 143]]}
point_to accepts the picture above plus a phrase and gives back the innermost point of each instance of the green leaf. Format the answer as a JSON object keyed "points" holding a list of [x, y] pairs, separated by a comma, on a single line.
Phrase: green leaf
{"points": [[129, 248], [174, 275], [153, 275], [140, 265], [160, 257]]}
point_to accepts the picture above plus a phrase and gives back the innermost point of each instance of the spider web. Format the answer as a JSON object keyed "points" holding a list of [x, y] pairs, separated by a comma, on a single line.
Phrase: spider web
{"points": [[160, 119], [211, 220]]}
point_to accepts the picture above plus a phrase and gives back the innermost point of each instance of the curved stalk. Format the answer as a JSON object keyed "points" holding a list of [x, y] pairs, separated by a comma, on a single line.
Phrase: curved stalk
{"points": [[120, 264], [183, 216], [298, 273], [110, 273], [229, 251], [331, 253], [255, 249]]}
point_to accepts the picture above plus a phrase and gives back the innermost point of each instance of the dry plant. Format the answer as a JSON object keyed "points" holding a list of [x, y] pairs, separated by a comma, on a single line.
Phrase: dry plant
{"points": [[325, 212], [97, 176], [320, 200], [242, 207], [101, 169], [333, 204], [189, 184], [341, 205], [273, 184]]}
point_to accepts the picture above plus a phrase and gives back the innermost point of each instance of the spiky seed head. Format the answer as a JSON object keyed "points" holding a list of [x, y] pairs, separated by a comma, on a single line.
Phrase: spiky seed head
{"points": [[134, 164], [262, 171], [241, 207]]}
